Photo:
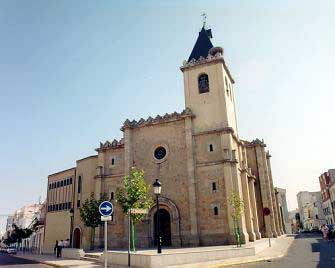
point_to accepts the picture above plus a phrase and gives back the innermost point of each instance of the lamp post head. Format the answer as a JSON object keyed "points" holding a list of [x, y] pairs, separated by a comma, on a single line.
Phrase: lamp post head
{"points": [[157, 187]]}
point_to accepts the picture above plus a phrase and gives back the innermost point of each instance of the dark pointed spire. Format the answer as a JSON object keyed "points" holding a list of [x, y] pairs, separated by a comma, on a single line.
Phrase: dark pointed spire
{"points": [[202, 45]]}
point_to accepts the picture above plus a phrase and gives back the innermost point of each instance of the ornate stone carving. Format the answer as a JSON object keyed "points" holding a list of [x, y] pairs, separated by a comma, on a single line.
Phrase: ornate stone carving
{"points": [[110, 145], [158, 119]]}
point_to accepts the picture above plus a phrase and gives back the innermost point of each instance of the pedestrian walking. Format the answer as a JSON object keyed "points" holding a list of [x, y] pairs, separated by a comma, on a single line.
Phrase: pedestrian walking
{"points": [[325, 232], [67, 243], [59, 248], [55, 248]]}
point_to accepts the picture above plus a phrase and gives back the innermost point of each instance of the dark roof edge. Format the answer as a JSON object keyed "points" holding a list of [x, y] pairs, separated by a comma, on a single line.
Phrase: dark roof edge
{"points": [[59, 172]]}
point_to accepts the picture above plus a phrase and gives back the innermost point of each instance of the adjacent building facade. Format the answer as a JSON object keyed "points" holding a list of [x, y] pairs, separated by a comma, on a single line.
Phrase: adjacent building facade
{"points": [[327, 180], [294, 218], [198, 157], [283, 210], [310, 209]]}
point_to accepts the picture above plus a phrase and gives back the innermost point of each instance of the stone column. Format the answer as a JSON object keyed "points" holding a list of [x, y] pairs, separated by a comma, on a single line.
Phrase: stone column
{"points": [[265, 190], [281, 221], [192, 184], [273, 197], [254, 208], [247, 207]]}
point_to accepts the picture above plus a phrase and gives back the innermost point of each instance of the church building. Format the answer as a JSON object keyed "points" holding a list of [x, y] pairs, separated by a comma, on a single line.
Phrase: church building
{"points": [[197, 155]]}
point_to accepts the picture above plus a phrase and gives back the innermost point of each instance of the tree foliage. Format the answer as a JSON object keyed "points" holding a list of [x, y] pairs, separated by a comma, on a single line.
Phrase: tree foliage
{"points": [[17, 234], [237, 204], [89, 211], [90, 215], [134, 194]]}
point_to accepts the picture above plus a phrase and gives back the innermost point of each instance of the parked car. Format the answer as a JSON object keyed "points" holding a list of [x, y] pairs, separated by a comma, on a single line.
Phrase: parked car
{"points": [[331, 231], [8, 250]]}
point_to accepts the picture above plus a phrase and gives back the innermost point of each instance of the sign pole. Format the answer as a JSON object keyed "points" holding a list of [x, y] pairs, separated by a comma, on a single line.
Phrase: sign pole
{"points": [[105, 253], [106, 210], [267, 212], [129, 226]]}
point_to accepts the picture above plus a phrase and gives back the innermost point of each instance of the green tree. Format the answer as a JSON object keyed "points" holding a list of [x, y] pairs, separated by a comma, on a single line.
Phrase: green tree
{"points": [[134, 194], [237, 204], [17, 234], [90, 215]]}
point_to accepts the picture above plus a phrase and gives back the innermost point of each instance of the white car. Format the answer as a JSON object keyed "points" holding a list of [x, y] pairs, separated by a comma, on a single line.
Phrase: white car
{"points": [[10, 250]]}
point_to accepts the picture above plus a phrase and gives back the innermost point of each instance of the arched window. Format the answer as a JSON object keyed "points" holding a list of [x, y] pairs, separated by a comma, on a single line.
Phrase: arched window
{"points": [[213, 186], [216, 211], [211, 149], [203, 83]]}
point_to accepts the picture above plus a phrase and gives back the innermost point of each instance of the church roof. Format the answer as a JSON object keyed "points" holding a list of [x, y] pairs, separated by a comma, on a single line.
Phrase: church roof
{"points": [[202, 45]]}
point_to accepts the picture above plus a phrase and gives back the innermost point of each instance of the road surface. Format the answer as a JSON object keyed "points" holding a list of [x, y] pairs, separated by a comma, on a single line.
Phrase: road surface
{"points": [[307, 251], [12, 262]]}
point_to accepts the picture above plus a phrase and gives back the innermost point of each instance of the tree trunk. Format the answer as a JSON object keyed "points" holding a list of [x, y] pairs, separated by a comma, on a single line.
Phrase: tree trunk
{"points": [[92, 238], [133, 235]]}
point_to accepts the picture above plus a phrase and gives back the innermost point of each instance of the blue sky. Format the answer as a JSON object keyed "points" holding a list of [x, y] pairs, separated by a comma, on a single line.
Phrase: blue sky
{"points": [[71, 72]]}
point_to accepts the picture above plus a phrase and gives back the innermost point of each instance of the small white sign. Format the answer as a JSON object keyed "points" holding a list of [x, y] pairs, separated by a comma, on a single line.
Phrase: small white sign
{"points": [[106, 218], [139, 211]]}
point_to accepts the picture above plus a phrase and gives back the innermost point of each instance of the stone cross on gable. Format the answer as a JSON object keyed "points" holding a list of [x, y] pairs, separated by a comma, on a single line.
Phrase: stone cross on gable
{"points": [[204, 18]]}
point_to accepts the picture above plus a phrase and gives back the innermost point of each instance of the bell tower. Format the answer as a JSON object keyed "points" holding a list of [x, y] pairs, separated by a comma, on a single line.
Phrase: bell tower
{"points": [[208, 86]]}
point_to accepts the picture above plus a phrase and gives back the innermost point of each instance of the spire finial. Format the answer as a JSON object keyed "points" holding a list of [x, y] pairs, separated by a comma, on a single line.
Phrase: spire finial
{"points": [[204, 18]]}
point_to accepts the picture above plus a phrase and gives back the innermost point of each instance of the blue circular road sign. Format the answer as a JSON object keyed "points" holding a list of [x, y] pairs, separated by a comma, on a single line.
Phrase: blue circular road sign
{"points": [[106, 208]]}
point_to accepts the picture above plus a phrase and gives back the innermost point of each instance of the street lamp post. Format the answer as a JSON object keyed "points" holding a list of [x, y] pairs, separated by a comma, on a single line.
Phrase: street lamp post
{"points": [[71, 227], [157, 190]]}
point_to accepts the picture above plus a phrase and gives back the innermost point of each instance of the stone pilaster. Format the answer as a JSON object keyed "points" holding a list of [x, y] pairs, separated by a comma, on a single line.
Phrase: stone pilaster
{"points": [[265, 190], [128, 154], [237, 187], [273, 197], [247, 207], [192, 184], [254, 208]]}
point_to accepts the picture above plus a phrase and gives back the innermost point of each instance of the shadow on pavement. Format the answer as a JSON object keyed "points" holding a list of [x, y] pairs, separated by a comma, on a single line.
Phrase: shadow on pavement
{"points": [[6, 259], [326, 250]]}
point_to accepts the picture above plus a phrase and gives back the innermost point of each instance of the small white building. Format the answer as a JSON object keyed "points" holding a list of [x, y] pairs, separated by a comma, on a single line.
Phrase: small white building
{"points": [[310, 209]]}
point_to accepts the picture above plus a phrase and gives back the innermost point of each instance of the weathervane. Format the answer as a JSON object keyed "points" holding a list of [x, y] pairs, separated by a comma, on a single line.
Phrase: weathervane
{"points": [[204, 18]]}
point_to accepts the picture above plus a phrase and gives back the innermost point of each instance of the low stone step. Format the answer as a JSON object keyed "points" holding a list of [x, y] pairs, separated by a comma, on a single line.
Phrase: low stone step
{"points": [[90, 259], [91, 255]]}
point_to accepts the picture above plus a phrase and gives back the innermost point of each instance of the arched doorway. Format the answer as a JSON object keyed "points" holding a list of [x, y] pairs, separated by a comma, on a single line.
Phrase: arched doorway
{"points": [[76, 238], [165, 227]]}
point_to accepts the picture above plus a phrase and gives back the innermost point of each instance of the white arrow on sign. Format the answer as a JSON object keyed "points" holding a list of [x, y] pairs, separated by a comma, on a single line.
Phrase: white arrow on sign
{"points": [[107, 208]]}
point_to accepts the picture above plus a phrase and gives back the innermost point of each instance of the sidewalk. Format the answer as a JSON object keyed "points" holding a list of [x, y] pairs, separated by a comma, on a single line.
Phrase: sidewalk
{"points": [[278, 250], [57, 262]]}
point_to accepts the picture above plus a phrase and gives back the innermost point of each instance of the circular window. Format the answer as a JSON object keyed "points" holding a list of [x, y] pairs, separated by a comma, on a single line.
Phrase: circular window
{"points": [[160, 153]]}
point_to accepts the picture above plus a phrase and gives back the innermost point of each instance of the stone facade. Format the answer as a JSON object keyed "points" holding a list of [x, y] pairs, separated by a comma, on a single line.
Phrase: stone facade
{"points": [[326, 180], [202, 163]]}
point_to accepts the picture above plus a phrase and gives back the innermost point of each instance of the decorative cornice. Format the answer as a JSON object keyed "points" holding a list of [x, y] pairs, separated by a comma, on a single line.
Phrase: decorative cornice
{"points": [[254, 143], [219, 130], [110, 145], [214, 163], [158, 119], [218, 57]]}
